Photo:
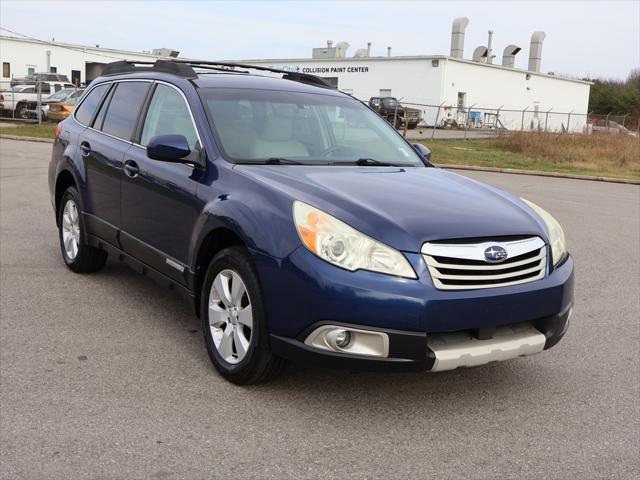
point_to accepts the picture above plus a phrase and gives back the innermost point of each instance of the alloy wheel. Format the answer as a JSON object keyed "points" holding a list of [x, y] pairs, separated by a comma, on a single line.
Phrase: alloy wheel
{"points": [[230, 316], [71, 229]]}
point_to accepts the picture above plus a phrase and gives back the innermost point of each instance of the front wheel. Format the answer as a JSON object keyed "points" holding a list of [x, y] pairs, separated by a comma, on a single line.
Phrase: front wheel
{"points": [[234, 322], [77, 255]]}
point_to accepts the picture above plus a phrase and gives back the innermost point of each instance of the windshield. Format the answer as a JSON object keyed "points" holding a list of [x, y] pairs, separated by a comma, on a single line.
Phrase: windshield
{"points": [[271, 126], [62, 94], [390, 102]]}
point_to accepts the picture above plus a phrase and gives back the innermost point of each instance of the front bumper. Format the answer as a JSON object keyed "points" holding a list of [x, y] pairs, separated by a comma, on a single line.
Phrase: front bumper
{"points": [[302, 292], [412, 351]]}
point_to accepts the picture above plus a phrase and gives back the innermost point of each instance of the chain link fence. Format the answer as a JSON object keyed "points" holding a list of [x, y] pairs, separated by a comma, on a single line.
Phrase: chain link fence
{"points": [[476, 119], [23, 99]]}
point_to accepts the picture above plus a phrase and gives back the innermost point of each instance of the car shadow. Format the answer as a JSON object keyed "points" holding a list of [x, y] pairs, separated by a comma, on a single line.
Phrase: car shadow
{"points": [[342, 388]]}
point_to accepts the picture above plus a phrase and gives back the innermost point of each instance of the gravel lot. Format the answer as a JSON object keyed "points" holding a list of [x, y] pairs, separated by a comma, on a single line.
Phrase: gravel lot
{"points": [[106, 375]]}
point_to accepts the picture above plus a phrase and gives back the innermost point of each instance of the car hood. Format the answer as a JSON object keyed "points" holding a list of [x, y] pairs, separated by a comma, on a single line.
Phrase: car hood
{"points": [[403, 207]]}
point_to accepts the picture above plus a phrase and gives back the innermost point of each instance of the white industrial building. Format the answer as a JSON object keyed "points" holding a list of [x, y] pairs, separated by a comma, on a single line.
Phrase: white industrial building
{"points": [[21, 57], [468, 91], [464, 88]]}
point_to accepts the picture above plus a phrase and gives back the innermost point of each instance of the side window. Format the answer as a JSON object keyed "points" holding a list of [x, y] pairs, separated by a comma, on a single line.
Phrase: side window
{"points": [[87, 108], [168, 114], [124, 107]]}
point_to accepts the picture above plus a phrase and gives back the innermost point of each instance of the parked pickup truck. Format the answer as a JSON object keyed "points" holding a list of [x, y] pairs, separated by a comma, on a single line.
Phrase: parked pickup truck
{"points": [[13, 102], [392, 111]]}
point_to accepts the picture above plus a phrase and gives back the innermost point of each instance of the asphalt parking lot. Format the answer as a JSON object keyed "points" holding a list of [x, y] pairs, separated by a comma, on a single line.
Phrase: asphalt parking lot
{"points": [[106, 376]]}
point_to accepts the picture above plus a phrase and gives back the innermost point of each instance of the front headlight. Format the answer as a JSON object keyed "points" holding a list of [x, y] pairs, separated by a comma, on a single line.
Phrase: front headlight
{"points": [[556, 235], [338, 243]]}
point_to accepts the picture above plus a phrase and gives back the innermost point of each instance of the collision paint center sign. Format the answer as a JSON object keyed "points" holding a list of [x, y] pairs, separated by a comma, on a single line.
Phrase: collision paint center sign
{"points": [[316, 70], [335, 69]]}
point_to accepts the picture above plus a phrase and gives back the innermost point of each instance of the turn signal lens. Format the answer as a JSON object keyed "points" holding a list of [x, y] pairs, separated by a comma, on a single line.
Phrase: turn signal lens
{"points": [[57, 132], [556, 234], [336, 242]]}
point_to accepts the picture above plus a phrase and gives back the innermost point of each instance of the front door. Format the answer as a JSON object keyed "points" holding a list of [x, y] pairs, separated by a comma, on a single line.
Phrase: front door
{"points": [[159, 204]]}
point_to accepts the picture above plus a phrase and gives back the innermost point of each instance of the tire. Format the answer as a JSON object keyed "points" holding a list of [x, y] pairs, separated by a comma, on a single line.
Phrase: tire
{"points": [[231, 287], [77, 255], [21, 111]]}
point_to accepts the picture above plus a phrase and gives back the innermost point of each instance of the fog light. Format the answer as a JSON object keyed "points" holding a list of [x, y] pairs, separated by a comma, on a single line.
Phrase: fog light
{"points": [[343, 338], [354, 341]]}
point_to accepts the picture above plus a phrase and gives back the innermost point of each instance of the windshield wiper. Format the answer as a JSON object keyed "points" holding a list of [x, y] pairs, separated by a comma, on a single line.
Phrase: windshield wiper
{"points": [[281, 161], [271, 161], [363, 162]]}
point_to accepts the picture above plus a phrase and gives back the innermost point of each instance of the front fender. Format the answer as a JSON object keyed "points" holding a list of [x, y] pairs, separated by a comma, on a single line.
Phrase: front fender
{"points": [[260, 227], [260, 215]]}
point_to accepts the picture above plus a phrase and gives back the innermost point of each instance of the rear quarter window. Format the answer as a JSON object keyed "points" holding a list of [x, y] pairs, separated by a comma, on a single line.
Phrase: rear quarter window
{"points": [[124, 107], [89, 105]]}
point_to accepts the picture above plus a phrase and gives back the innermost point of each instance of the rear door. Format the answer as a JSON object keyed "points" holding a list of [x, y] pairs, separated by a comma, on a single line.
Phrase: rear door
{"points": [[103, 145], [159, 204]]}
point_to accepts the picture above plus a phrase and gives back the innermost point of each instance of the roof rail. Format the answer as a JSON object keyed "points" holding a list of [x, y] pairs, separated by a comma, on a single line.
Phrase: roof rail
{"points": [[163, 66], [185, 68], [287, 75]]}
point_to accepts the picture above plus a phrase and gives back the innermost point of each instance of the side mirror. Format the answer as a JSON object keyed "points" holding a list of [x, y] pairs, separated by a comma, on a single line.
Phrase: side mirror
{"points": [[422, 150], [168, 148]]}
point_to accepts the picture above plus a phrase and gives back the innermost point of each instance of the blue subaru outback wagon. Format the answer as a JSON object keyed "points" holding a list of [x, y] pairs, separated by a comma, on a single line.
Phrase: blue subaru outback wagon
{"points": [[301, 225]]}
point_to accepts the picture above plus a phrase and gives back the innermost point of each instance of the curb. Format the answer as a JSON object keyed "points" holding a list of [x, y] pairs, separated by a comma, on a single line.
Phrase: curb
{"points": [[26, 139], [539, 173]]}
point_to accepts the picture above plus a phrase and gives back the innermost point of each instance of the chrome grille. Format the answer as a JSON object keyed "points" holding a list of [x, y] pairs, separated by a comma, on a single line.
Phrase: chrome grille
{"points": [[462, 266]]}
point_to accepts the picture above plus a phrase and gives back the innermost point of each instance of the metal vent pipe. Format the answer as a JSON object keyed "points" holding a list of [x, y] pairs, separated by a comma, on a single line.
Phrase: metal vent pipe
{"points": [[535, 51], [457, 36]]}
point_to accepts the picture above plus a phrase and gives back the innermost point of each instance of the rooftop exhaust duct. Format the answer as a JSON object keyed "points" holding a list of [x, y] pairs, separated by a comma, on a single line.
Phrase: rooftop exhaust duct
{"points": [[480, 54], [341, 49], [535, 51], [509, 55], [331, 51], [457, 36], [363, 52], [165, 52]]}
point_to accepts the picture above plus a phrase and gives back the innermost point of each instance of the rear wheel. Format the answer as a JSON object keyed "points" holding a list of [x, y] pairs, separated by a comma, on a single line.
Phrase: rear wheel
{"points": [[234, 322], [78, 256], [21, 111]]}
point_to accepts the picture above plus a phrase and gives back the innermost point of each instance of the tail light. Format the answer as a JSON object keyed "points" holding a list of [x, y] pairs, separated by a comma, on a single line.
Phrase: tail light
{"points": [[1, 98], [58, 130]]}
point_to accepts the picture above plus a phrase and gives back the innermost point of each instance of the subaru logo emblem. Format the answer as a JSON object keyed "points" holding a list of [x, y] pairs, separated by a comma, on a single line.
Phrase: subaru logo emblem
{"points": [[495, 254]]}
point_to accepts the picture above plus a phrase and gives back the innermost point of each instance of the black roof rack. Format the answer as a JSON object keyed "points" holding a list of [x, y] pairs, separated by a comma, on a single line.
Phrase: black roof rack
{"points": [[163, 66], [185, 68]]}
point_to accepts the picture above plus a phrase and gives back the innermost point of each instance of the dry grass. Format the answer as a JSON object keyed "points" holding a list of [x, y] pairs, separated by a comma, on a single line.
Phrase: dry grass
{"points": [[45, 130], [598, 155], [597, 152]]}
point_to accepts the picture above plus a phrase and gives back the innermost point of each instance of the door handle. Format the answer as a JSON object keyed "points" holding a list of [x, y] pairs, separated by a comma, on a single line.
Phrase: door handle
{"points": [[85, 148], [131, 169]]}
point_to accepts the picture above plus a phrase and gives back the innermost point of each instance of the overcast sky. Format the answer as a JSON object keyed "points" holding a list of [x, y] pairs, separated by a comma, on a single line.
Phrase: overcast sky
{"points": [[584, 38]]}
